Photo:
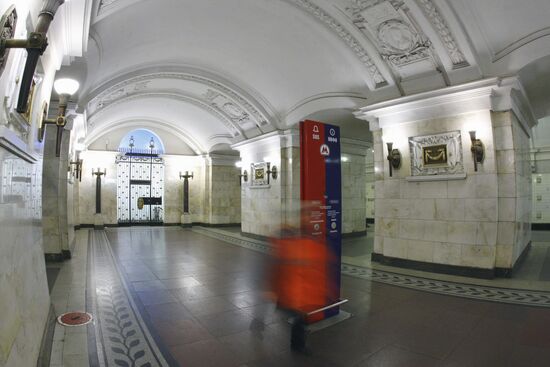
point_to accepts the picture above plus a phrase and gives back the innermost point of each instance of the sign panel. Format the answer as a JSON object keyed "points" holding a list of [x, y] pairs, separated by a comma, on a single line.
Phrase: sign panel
{"points": [[321, 195]]}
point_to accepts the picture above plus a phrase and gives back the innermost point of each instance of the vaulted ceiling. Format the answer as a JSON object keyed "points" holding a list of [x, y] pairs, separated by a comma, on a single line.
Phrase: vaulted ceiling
{"points": [[218, 72]]}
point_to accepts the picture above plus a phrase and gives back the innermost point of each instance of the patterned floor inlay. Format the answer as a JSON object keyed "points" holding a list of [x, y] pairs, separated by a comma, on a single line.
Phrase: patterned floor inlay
{"points": [[494, 294], [121, 335]]}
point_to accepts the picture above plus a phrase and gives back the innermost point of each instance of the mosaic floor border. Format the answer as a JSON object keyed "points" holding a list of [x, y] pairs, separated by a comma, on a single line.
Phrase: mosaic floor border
{"points": [[123, 338], [493, 294]]}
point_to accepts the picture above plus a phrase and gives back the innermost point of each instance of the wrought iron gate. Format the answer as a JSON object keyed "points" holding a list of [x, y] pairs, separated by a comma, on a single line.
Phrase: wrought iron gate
{"points": [[140, 189]]}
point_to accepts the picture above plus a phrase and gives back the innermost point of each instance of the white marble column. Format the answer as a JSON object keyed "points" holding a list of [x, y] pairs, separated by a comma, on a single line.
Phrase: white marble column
{"points": [[54, 195]]}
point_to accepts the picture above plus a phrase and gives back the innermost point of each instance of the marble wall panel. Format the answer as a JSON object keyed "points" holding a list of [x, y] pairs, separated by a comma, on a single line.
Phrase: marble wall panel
{"points": [[444, 222], [25, 299]]}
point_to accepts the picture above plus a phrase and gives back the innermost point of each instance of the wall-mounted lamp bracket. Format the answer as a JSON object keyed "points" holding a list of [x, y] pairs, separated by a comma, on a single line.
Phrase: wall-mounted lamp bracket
{"points": [[271, 172], [394, 158], [477, 149], [60, 121], [35, 44], [243, 176], [186, 175], [77, 169]]}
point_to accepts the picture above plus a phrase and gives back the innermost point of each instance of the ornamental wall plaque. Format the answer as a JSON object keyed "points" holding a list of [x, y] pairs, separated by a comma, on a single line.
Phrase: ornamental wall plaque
{"points": [[438, 154], [259, 174]]}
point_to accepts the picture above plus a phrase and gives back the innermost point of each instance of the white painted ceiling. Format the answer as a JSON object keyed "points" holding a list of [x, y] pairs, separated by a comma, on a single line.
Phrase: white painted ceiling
{"points": [[217, 72]]}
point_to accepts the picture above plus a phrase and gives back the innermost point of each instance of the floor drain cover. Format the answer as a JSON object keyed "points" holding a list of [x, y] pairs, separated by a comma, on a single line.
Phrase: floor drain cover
{"points": [[74, 318]]}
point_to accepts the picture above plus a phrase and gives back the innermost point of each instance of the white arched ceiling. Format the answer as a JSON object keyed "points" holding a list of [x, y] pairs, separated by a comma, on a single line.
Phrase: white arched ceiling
{"points": [[226, 71]]}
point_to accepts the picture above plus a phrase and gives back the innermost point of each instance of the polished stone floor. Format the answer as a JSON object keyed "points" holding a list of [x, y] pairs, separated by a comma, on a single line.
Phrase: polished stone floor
{"points": [[199, 301]]}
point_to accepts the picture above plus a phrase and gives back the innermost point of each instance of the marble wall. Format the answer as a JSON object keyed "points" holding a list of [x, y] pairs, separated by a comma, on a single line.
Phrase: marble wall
{"points": [[370, 184], [55, 194], [23, 286], [445, 222], [86, 202], [354, 193], [514, 183], [262, 207], [481, 221], [224, 198], [214, 193]]}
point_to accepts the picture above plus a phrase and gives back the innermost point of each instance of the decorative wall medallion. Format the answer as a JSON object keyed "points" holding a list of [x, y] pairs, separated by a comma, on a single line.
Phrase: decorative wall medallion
{"points": [[395, 33], [438, 154], [234, 112], [396, 36], [259, 174], [8, 23]]}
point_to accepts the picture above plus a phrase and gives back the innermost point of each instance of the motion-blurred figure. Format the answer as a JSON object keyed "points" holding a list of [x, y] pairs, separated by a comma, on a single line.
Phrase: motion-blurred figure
{"points": [[300, 280]]}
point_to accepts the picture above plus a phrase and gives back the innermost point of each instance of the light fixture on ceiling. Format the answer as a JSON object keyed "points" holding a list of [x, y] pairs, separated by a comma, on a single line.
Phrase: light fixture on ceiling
{"points": [[477, 149], [64, 88], [35, 44]]}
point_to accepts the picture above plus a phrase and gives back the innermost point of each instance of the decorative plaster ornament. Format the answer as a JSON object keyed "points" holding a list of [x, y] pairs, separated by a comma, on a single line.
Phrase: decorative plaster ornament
{"points": [[397, 37]]}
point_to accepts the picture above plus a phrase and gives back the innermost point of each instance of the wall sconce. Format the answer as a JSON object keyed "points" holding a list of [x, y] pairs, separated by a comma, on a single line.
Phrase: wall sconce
{"points": [[244, 176], [478, 150], [65, 88], [271, 172], [394, 158], [98, 175], [35, 44], [77, 169], [186, 176], [98, 172]]}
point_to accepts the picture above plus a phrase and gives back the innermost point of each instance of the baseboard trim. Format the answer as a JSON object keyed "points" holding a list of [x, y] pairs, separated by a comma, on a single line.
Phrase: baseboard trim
{"points": [[117, 225], [465, 271], [354, 234], [255, 236], [66, 254], [370, 221], [47, 340], [55, 258], [509, 272], [216, 225], [540, 226]]}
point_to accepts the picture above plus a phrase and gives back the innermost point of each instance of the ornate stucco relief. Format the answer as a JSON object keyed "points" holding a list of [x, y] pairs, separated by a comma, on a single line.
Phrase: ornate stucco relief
{"points": [[346, 36], [234, 102], [399, 40], [431, 11], [398, 36]]}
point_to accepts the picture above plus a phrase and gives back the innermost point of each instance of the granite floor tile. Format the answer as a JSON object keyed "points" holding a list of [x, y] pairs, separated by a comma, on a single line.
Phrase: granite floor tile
{"points": [[156, 297], [226, 323], [392, 356], [209, 306], [205, 353]]}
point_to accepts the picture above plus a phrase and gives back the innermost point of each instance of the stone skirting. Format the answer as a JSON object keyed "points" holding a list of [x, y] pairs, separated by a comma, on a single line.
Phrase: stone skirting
{"points": [[354, 234], [451, 269], [540, 226], [434, 267]]}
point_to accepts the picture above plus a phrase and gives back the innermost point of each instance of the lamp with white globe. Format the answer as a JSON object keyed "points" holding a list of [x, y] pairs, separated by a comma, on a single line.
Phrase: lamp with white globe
{"points": [[65, 88]]}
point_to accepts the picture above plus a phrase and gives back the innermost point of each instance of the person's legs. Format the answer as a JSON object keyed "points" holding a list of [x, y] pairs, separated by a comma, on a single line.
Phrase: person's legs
{"points": [[298, 334]]}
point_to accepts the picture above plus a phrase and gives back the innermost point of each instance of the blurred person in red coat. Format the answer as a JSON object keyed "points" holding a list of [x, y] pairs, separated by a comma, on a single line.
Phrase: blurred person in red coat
{"points": [[300, 279]]}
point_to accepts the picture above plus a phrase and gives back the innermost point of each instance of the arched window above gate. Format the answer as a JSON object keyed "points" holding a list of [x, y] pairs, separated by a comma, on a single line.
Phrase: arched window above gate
{"points": [[141, 142]]}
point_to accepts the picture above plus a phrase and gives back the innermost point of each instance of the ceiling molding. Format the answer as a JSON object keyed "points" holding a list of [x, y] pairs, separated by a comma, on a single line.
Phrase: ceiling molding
{"points": [[232, 98], [340, 30], [446, 36], [531, 37], [322, 102], [148, 123], [233, 128]]}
